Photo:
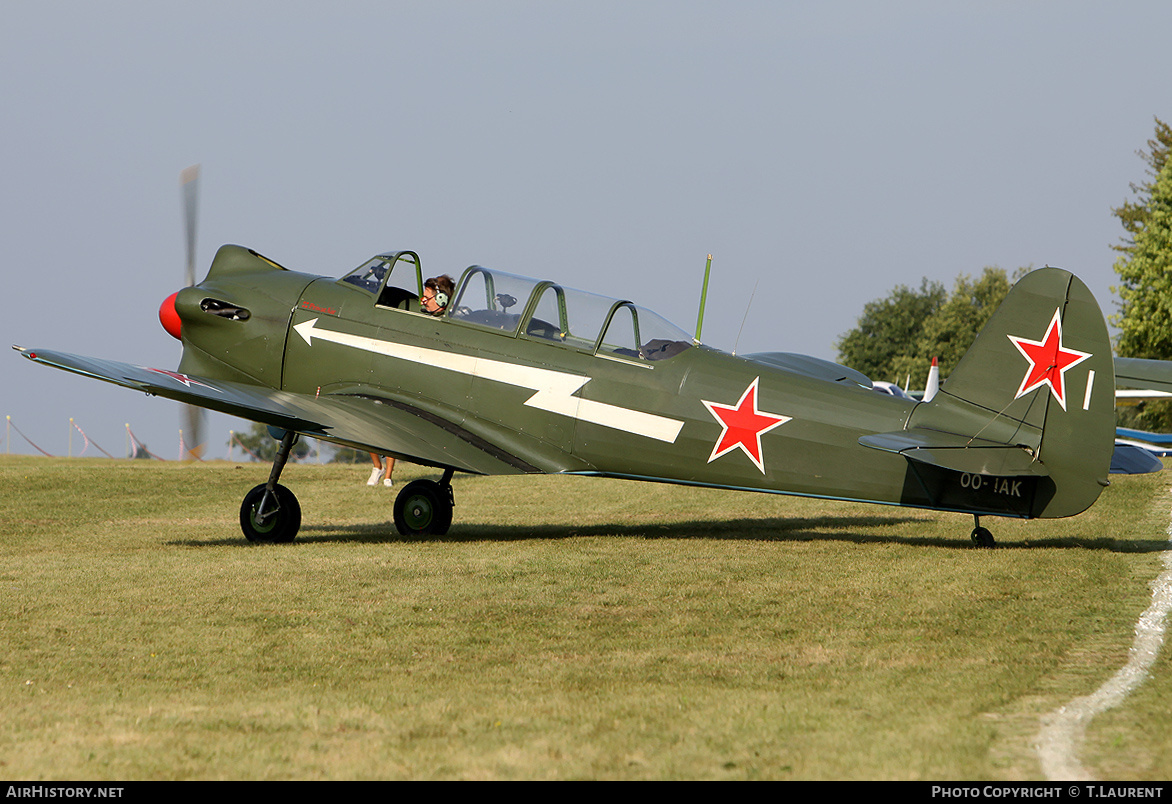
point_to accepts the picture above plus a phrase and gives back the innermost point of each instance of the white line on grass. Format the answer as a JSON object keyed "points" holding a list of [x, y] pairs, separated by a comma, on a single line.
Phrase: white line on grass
{"points": [[1063, 729]]}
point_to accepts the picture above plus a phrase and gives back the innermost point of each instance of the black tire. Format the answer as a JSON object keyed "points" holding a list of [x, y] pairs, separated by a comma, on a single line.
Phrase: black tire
{"points": [[280, 526], [982, 537], [423, 508]]}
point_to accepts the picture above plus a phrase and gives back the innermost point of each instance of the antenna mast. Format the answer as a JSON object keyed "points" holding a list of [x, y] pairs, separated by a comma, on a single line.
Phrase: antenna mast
{"points": [[703, 298]]}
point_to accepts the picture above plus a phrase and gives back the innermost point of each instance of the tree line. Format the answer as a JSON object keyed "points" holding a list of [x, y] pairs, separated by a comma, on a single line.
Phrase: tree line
{"points": [[897, 336]]}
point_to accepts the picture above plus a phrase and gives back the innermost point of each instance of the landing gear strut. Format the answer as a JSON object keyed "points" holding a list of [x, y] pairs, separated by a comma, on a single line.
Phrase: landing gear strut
{"points": [[981, 536], [270, 512], [424, 507]]}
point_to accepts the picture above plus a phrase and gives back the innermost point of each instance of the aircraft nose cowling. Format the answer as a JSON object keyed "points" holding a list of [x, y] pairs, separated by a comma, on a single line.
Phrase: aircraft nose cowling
{"points": [[169, 317]]}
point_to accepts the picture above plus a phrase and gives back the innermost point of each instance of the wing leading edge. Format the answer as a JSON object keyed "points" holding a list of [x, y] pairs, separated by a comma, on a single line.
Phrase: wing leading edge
{"points": [[362, 418]]}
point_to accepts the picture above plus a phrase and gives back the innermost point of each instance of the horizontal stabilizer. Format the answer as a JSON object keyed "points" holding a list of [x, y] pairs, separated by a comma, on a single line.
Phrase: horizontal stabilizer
{"points": [[958, 453], [1150, 375]]}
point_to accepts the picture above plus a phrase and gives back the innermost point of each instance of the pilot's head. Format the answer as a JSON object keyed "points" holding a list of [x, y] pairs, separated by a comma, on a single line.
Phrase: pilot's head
{"points": [[437, 292]]}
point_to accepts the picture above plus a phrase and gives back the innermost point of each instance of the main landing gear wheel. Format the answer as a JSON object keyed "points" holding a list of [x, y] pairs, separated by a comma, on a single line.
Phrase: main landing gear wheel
{"points": [[982, 537], [275, 519], [424, 508], [270, 512]]}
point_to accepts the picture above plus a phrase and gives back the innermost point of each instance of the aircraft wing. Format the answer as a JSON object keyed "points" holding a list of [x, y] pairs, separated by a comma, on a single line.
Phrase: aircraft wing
{"points": [[249, 402], [1144, 436], [358, 418]]}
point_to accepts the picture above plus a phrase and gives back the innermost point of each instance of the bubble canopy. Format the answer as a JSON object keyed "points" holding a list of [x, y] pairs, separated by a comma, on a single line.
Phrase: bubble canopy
{"points": [[536, 310]]}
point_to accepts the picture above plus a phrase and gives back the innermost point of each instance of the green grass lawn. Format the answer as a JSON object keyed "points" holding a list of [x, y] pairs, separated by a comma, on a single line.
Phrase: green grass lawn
{"points": [[565, 628]]}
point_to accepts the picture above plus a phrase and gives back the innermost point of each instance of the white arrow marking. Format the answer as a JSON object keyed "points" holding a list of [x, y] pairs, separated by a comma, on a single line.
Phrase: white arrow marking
{"points": [[554, 389]]}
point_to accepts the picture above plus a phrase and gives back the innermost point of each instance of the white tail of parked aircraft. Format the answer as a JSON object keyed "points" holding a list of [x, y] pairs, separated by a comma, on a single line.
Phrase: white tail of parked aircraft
{"points": [[933, 382]]}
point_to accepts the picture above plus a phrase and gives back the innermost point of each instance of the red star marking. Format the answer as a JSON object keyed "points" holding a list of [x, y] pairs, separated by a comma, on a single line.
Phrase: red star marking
{"points": [[743, 424], [1049, 361], [181, 378]]}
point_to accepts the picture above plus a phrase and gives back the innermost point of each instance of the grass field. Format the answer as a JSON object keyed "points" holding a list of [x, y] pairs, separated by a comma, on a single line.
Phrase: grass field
{"points": [[566, 628]]}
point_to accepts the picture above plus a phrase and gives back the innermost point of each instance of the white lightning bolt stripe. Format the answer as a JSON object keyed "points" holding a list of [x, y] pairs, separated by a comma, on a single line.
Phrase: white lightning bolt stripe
{"points": [[554, 390]]}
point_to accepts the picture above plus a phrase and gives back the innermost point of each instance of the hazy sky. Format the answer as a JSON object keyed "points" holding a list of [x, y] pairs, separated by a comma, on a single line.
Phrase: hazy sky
{"points": [[822, 152]]}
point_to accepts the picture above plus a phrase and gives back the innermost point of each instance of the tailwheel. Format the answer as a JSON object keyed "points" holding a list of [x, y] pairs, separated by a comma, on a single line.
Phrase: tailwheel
{"points": [[982, 537], [270, 516], [424, 508]]}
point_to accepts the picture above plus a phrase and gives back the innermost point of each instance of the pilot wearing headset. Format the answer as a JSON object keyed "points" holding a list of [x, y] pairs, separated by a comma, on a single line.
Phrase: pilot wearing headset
{"points": [[437, 292]]}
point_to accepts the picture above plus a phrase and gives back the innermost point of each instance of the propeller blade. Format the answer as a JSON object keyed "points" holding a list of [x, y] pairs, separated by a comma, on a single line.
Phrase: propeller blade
{"points": [[189, 179], [193, 417], [193, 432]]}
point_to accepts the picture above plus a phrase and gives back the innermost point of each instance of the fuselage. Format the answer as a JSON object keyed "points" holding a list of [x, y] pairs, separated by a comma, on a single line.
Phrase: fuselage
{"points": [[562, 395]]}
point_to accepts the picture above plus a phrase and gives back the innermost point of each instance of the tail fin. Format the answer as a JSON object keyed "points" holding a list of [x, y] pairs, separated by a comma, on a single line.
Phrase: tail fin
{"points": [[1039, 377]]}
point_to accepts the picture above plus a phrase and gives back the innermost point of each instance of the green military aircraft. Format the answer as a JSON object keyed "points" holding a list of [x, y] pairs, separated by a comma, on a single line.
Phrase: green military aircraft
{"points": [[516, 375]]}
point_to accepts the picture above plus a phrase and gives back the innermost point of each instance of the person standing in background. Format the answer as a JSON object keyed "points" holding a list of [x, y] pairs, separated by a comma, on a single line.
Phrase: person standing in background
{"points": [[383, 466]]}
